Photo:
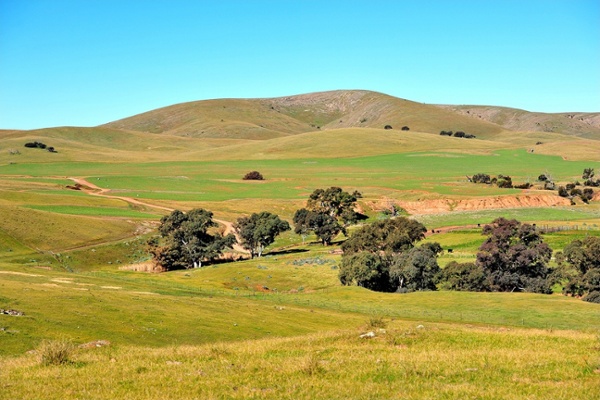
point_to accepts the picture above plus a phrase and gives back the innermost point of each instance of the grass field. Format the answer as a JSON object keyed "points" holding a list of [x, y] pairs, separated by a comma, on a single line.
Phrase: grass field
{"points": [[281, 326]]}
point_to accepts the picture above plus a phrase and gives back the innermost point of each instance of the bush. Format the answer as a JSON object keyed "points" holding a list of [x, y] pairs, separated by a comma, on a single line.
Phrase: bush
{"points": [[446, 133], [405, 128], [593, 297], [253, 176], [387, 127], [460, 134], [56, 352], [481, 178]]}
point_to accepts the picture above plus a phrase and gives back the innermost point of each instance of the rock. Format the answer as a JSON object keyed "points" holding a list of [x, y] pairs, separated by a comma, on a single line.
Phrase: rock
{"points": [[368, 335], [94, 344], [420, 327], [14, 313]]}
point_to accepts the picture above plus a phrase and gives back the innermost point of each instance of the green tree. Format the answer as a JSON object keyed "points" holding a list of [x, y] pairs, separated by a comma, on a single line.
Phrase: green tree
{"points": [[584, 256], [416, 269], [187, 241], [324, 226], [259, 231], [373, 251], [463, 277], [366, 270], [514, 257], [388, 236], [334, 202]]}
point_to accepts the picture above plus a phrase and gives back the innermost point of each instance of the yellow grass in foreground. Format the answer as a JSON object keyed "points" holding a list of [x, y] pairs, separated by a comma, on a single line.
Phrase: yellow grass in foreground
{"points": [[405, 360]]}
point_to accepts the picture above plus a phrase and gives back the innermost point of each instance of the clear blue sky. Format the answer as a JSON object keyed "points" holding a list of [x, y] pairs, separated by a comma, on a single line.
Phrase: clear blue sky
{"points": [[88, 62]]}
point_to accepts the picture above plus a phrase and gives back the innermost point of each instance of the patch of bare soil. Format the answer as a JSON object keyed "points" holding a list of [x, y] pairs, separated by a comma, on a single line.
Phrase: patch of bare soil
{"points": [[438, 206]]}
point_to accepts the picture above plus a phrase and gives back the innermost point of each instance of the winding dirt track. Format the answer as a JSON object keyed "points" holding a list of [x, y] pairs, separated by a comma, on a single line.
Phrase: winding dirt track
{"points": [[94, 190]]}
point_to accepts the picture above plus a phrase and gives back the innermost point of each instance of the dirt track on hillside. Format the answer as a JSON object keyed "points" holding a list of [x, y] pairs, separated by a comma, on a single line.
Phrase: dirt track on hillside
{"points": [[95, 190]]}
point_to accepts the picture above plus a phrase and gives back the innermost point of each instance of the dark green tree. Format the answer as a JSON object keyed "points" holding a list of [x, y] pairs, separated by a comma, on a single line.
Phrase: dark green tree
{"points": [[416, 269], [463, 277], [374, 249], [584, 257], [323, 225], [366, 270], [514, 257], [388, 236], [259, 231], [187, 241]]}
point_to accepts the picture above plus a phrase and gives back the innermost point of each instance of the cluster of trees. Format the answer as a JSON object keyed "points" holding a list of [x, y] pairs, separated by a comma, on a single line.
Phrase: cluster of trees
{"points": [[571, 191], [40, 145], [582, 270], [383, 256], [189, 239], [459, 134], [502, 181]]}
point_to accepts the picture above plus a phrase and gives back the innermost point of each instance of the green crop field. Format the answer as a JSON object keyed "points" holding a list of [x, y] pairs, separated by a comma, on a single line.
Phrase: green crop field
{"points": [[74, 227]]}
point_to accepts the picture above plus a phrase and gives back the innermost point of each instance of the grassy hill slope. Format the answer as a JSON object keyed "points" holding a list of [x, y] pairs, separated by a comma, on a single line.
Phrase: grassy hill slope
{"points": [[269, 118], [586, 125]]}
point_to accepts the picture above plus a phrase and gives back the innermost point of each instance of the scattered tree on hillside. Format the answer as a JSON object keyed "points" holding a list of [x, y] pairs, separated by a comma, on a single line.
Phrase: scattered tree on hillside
{"points": [[386, 236], [514, 257], [253, 176], [446, 133], [405, 128], [588, 173], [187, 242], [387, 127], [259, 231]]}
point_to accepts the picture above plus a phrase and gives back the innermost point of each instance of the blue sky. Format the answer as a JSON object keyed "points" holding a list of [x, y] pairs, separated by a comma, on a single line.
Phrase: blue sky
{"points": [[88, 62]]}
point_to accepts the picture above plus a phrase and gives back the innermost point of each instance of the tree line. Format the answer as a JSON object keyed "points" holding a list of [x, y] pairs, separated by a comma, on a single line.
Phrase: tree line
{"points": [[385, 255]]}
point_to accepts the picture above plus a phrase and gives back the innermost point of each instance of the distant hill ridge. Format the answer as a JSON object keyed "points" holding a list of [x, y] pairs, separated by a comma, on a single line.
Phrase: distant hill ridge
{"points": [[269, 118]]}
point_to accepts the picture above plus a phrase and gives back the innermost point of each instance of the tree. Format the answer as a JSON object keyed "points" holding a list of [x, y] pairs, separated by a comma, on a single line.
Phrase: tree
{"points": [[259, 231], [253, 176], [334, 202], [385, 236], [366, 270], [187, 241], [463, 277], [371, 252], [417, 268], [322, 224], [481, 178], [588, 173], [514, 257]]}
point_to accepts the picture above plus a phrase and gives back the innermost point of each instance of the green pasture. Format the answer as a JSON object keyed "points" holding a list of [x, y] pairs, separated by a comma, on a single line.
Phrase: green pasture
{"points": [[567, 216], [432, 173], [95, 211]]}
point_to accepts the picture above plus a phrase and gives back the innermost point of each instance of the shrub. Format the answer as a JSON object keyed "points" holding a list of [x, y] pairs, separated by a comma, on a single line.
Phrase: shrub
{"points": [[481, 178], [446, 133], [593, 297], [56, 352], [460, 134], [388, 127], [405, 128], [253, 176]]}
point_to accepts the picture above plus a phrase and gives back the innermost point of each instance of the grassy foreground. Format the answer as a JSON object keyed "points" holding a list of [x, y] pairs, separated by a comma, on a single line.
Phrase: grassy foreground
{"points": [[403, 360]]}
